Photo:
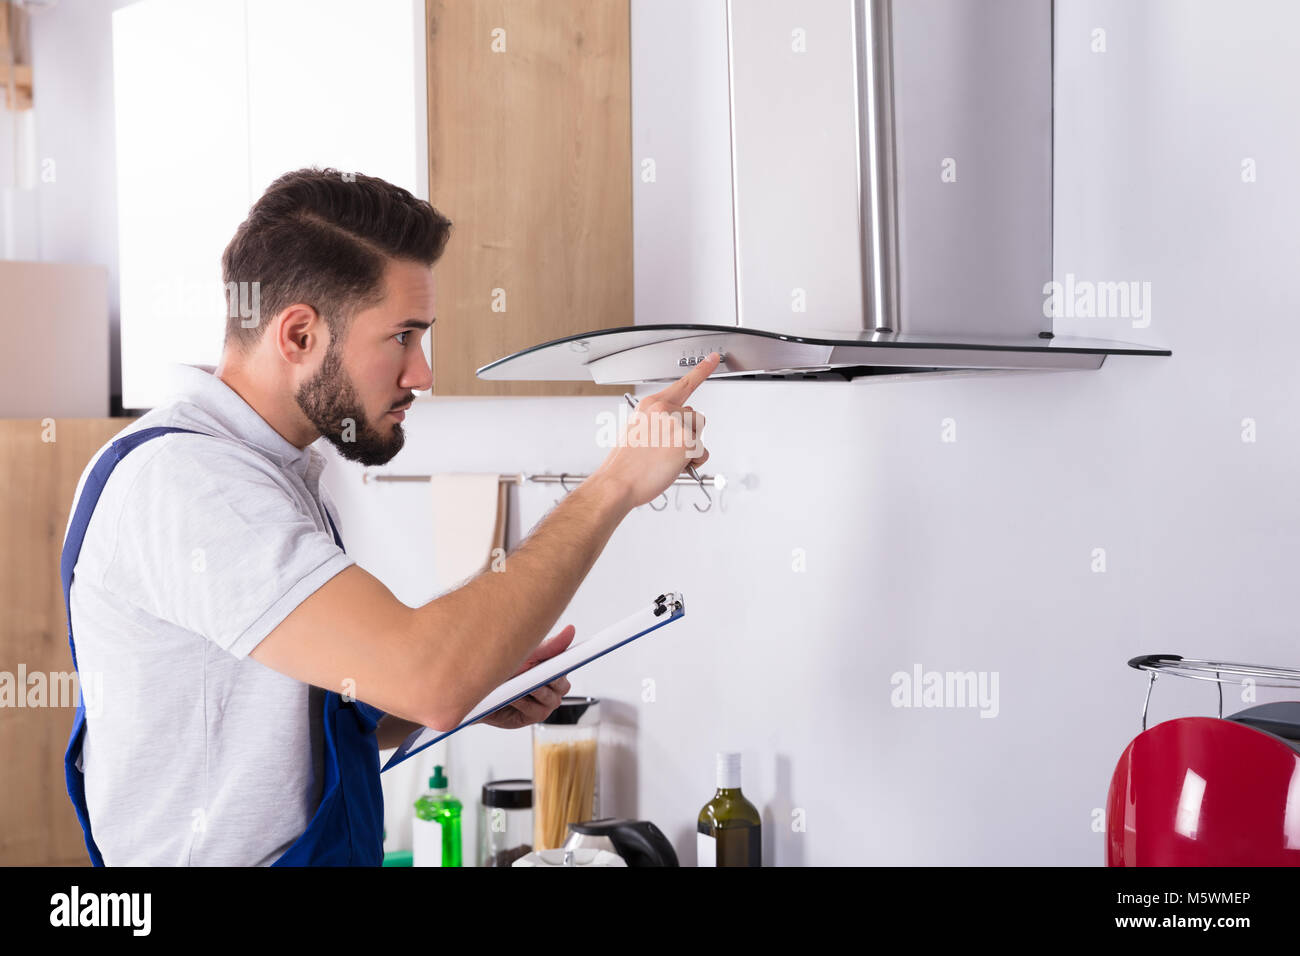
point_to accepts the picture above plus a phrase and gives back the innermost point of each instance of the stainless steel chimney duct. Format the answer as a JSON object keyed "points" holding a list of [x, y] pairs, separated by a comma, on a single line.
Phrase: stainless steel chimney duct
{"points": [[877, 171]]}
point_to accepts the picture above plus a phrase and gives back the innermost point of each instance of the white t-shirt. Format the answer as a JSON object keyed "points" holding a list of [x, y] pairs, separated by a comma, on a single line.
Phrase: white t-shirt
{"points": [[194, 753]]}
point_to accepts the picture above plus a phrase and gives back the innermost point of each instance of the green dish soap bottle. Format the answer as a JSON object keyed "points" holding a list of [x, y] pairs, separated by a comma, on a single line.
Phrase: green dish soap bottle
{"points": [[435, 832]]}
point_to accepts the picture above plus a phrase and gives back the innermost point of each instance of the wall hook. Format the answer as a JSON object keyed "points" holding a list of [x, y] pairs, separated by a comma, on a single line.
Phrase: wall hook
{"points": [[704, 490], [563, 475]]}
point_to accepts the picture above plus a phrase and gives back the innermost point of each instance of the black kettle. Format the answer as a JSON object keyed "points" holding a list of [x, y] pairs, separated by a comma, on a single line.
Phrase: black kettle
{"points": [[637, 842]]}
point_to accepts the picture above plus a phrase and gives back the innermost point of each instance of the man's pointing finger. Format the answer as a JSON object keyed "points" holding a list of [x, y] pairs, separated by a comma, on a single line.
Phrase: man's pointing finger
{"points": [[679, 391]]}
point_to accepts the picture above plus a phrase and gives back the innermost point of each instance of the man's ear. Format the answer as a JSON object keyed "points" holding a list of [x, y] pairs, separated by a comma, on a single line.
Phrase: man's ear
{"points": [[299, 329]]}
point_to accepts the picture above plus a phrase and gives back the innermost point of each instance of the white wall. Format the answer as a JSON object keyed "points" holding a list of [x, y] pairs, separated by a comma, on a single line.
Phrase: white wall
{"points": [[973, 555]]}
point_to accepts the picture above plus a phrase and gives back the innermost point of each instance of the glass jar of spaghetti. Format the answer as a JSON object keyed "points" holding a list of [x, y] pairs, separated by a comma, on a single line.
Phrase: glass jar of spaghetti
{"points": [[565, 770]]}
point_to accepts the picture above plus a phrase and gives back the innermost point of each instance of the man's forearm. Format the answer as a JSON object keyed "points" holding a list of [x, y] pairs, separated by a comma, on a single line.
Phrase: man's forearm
{"points": [[500, 616]]}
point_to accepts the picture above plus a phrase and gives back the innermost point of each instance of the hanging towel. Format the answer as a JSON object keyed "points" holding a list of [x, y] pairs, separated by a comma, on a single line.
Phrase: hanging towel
{"points": [[469, 522]]}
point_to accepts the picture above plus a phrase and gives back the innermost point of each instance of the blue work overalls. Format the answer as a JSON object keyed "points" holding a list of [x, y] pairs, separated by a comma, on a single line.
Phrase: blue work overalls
{"points": [[347, 829]]}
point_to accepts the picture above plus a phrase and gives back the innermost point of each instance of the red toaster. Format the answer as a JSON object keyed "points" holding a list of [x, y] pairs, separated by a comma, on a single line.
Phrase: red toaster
{"points": [[1207, 791]]}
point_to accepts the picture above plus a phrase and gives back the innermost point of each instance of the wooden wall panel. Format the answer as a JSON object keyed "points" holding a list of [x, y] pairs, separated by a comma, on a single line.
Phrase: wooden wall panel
{"points": [[530, 157], [37, 481]]}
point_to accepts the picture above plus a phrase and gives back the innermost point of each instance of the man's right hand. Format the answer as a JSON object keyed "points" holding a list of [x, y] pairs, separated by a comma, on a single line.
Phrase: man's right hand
{"points": [[662, 437]]}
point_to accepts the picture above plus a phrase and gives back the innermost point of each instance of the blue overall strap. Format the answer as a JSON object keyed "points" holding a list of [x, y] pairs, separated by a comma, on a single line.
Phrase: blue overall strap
{"points": [[85, 507], [348, 827]]}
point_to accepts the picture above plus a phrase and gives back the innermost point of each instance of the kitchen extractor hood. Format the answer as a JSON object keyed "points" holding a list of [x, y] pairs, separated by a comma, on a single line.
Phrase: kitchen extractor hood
{"points": [[891, 202], [663, 353]]}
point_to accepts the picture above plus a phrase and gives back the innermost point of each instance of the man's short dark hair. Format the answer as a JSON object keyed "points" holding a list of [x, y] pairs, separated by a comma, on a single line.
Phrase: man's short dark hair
{"points": [[323, 237]]}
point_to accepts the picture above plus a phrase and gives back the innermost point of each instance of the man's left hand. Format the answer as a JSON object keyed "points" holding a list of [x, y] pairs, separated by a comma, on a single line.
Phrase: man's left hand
{"points": [[537, 706]]}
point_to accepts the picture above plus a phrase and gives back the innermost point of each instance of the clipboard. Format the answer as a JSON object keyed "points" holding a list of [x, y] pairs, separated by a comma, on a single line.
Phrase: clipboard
{"points": [[665, 609]]}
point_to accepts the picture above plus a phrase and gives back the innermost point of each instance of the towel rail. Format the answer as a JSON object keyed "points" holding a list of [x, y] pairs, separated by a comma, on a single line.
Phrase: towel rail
{"points": [[717, 481]]}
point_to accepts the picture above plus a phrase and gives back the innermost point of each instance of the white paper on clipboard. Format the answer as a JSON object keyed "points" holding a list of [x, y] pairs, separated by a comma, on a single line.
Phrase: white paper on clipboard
{"points": [[665, 609]]}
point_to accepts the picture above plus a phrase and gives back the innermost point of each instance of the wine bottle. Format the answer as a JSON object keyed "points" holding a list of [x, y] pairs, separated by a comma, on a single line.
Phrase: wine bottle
{"points": [[729, 831]]}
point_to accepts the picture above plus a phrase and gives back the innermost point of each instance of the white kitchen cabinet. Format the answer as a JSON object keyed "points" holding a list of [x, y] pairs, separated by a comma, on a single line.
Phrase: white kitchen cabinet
{"points": [[215, 99]]}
